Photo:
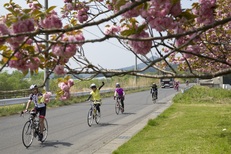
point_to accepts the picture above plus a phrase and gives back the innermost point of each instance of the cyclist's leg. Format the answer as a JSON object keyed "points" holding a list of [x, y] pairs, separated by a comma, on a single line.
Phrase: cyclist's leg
{"points": [[98, 107], [122, 102], [42, 114]]}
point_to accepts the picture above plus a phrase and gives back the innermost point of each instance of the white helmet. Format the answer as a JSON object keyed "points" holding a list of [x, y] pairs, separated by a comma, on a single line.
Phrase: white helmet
{"points": [[117, 85], [33, 86], [92, 85]]}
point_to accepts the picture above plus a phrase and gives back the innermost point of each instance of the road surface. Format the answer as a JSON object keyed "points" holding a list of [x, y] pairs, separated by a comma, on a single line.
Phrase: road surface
{"points": [[69, 132]]}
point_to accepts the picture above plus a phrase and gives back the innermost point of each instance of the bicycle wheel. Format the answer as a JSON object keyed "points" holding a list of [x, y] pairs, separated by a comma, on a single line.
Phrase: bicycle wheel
{"points": [[27, 134], [89, 118], [117, 107], [154, 99], [97, 116], [45, 130]]}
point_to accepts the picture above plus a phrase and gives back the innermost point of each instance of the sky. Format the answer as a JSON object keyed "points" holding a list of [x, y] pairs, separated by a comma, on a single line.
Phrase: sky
{"points": [[108, 54]]}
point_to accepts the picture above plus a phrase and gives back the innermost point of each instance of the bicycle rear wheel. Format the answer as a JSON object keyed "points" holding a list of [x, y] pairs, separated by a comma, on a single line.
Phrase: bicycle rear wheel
{"points": [[89, 118], [97, 116], [28, 134], [154, 99], [45, 130], [117, 107]]}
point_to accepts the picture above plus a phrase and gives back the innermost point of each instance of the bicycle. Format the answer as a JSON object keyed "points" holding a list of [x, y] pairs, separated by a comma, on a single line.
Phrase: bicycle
{"points": [[31, 129], [118, 106], [154, 97], [93, 114]]}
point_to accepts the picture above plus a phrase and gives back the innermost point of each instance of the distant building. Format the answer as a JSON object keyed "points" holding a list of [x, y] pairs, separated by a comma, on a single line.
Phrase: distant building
{"points": [[221, 81]]}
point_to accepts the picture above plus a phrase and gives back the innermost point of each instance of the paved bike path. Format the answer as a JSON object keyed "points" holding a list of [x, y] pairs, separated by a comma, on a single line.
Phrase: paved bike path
{"points": [[127, 135]]}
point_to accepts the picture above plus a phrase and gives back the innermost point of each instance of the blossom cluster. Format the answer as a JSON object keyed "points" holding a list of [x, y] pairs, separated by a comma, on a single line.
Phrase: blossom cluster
{"points": [[65, 87]]}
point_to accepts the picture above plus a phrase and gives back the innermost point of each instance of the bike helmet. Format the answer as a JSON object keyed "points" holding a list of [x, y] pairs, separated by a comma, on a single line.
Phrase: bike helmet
{"points": [[117, 85], [33, 86], [92, 85]]}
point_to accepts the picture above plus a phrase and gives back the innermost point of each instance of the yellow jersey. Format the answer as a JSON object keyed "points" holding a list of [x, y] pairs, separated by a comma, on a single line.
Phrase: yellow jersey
{"points": [[96, 95]]}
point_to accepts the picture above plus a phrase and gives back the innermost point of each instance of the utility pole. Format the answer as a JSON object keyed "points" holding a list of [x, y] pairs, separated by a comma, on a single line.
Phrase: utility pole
{"points": [[135, 80], [46, 71]]}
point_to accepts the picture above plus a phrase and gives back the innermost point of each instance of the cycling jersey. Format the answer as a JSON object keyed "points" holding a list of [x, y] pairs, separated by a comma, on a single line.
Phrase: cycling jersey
{"points": [[153, 89], [96, 95], [119, 91], [36, 99]]}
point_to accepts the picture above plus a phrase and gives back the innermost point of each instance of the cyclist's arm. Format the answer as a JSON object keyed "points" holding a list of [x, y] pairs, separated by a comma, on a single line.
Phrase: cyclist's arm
{"points": [[115, 93], [123, 93], [28, 104], [101, 85], [89, 97]]}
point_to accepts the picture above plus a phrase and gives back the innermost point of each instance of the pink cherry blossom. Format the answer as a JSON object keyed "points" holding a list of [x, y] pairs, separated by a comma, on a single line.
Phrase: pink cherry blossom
{"points": [[59, 70], [51, 21], [141, 47], [47, 96], [82, 15], [3, 31], [70, 82], [23, 26], [33, 63], [112, 30]]}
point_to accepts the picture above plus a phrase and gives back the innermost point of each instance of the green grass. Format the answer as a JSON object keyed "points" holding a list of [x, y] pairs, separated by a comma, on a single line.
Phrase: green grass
{"points": [[198, 122], [16, 109]]}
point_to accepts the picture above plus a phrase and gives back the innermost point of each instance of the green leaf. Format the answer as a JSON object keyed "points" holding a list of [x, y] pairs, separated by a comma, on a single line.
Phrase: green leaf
{"points": [[50, 9], [128, 32], [26, 11], [141, 28], [188, 15], [119, 3]]}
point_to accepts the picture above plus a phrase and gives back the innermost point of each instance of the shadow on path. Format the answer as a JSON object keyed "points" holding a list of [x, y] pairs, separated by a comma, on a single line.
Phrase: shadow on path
{"points": [[56, 144]]}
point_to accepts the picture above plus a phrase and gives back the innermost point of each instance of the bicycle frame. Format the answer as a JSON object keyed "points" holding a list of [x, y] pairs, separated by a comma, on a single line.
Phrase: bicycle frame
{"points": [[31, 130], [118, 106], [154, 96], [93, 114]]}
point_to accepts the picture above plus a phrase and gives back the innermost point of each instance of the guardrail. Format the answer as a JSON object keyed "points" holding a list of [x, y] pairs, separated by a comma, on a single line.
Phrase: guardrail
{"points": [[4, 102]]}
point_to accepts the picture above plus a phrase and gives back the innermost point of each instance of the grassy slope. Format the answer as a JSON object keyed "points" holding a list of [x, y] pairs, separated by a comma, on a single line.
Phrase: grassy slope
{"points": [[197, 122]]}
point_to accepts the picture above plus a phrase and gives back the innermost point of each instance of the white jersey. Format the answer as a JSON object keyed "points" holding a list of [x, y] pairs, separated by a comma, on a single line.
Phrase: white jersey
{"points": [[34, 98]]}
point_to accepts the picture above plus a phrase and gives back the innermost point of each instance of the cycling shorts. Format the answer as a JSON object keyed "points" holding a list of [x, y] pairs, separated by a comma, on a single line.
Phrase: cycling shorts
{"points": [[41, 111]]}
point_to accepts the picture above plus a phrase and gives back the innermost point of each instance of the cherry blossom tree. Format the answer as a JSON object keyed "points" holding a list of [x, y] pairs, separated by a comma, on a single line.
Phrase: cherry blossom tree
{"points": [[196, 40]]}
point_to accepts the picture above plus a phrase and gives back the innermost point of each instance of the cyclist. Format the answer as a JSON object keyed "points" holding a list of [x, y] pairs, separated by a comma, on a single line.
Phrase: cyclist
{"points": [[40, 107], [177, 84], [121, 94], [187, 82], [154, 90], [95, 94]]}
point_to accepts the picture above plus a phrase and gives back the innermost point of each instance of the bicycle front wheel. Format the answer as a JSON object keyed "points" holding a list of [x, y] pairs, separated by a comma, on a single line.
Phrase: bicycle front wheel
{"points": [[97, 116], [45, 130], [117, 107], [89, 118], [28, 134]]}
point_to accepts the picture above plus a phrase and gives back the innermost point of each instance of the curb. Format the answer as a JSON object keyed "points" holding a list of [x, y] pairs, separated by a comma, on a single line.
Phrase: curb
{"points": [[127, 135]]}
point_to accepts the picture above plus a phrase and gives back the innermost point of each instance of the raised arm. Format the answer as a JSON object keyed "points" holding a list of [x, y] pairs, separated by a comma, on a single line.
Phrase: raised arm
{"points": [[101, 85]]}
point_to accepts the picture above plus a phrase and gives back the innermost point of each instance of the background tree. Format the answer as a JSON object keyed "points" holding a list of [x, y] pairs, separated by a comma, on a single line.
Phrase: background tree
{"points": [[196, 39]]}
